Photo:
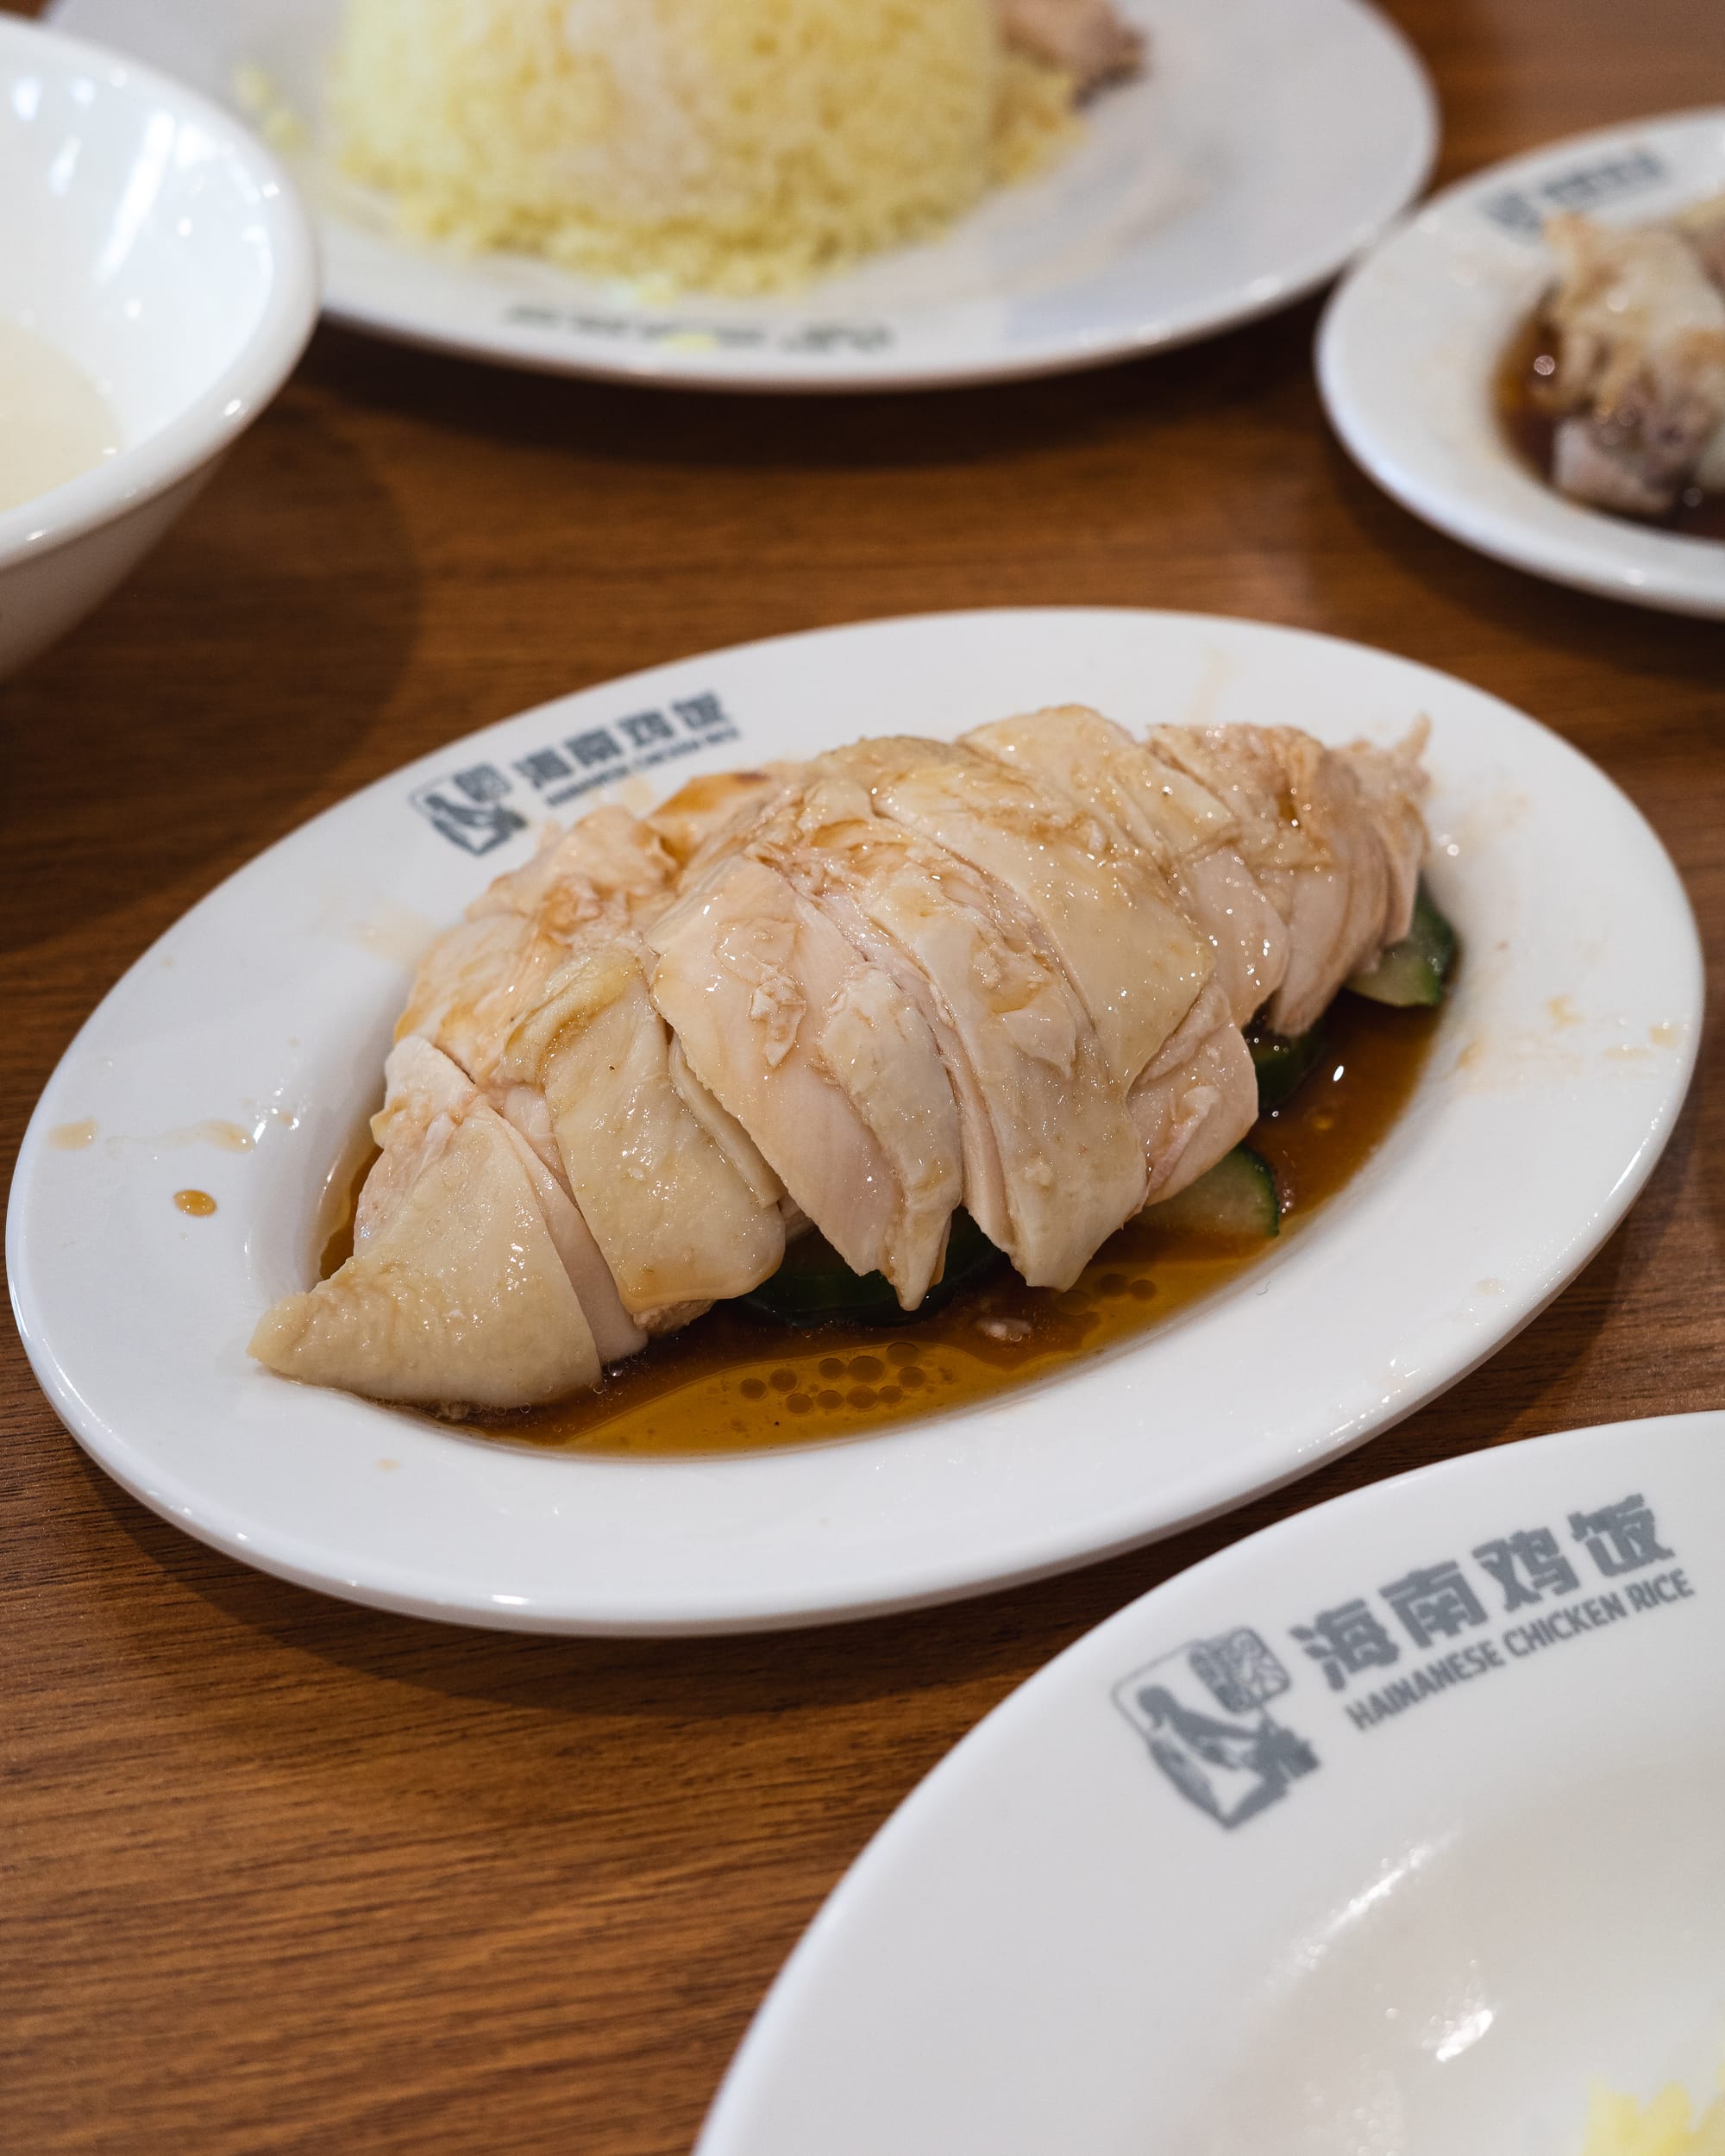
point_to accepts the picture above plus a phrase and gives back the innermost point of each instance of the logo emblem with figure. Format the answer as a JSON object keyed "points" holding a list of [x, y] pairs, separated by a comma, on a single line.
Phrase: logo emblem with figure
{"points": [[1203, 1710]]}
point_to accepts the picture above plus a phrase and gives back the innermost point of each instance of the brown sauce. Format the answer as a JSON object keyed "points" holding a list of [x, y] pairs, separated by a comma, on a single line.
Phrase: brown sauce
{"points": [[1531, 429], [339, 1247], [198, 1203], [736, 1380]]}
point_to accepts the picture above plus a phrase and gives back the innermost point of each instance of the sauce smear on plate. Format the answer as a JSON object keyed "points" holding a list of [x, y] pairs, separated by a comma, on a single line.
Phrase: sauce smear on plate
{"points": [[736, 1380]]}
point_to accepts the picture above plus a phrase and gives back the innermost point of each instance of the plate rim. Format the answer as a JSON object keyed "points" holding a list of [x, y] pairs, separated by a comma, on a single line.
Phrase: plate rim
{"points": [[923, 1585], [753, 2063], [1580, 553]]}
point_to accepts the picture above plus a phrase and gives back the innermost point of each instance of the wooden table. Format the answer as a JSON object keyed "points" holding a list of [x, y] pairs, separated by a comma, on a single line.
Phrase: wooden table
{"points": [[282, 1874]]}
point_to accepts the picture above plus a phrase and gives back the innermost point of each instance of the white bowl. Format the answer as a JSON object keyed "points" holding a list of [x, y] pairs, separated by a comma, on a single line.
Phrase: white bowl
{"points": [[154, 243]]}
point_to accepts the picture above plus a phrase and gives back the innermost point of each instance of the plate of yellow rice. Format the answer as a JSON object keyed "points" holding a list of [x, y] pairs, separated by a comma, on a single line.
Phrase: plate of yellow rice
{"points": [[814, 194]]}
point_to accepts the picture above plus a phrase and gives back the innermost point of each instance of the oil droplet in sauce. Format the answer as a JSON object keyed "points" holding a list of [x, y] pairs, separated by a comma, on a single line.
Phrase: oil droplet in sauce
{"points": [[73, 1137], [735, 1380], [54, 421], [198, 1203], [1531, 429]]}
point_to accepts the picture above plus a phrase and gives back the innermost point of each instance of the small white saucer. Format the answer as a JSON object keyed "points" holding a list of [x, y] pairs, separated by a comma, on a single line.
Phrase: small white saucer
{"points": [[1410, 347]]}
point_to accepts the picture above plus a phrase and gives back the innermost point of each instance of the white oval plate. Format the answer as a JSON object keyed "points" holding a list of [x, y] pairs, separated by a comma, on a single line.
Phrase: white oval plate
{"points": [[1410, 345], [1193, 1889], [1559, 1066], [1271, 141]]}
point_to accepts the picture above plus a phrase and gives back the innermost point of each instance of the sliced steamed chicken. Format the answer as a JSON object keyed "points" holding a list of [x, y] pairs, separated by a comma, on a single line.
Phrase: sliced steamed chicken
{"points": [[1101, 906], [678, 1197], [1183, 826], [1298, 863], [1639, 386], [676, 1193], [461, 1288], [1196, 1095], [823, 1059], [1051, 1163], [481, 979], [531, 1021], [1010, 972], [1333, 837]]}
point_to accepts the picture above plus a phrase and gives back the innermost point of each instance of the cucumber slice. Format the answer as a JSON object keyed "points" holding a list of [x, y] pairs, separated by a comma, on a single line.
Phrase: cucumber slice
{"points": [[1414, 973], [1283, 1064], [1236, 1202], [815, 1287]]}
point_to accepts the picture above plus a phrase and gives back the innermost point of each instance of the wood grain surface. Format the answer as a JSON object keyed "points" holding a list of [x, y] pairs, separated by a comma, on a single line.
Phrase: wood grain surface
{"points": [[282, 1874]]}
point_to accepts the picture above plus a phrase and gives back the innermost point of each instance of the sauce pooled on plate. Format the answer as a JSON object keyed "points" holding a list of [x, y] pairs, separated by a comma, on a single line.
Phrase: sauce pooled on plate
{"points": [[737, 1380]]}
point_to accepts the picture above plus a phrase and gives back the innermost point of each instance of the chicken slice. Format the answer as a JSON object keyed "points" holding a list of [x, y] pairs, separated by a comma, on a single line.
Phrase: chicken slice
{"points": [[1339, 838], [1639, 385], [1053, 1163], [426, 1091], [1092, 763], [826, 1063], [456, 1293], [1107, 913], [1333, 837], [616, 1334], [1198, 1097], [1087, 759], [476, 983], [676, 1194], [677, 1226], [727, 1134], [1241, 919], [426, 1086], [819, 840], [1198, 1100], [710, 815], [1392, 784], [1086, 38], [608, 864], [473, 988], [480, 979]]}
